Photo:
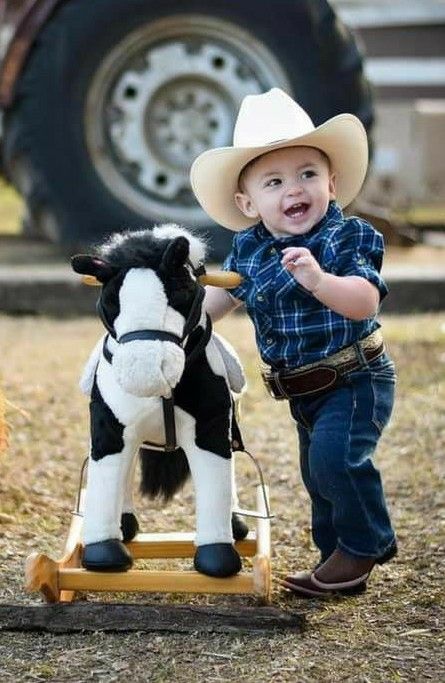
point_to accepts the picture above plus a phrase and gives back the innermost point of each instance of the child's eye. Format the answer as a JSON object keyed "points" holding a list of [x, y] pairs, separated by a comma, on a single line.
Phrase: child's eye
{"points": [[273, 182], [308, 174]]}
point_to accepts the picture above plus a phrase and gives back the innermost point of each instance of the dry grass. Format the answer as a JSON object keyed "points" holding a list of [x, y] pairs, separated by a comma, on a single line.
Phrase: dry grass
{"points": [[392, 633]]}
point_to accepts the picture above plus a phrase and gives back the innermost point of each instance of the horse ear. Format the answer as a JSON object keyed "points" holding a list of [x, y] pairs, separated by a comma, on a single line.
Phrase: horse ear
{"points": [[176, 254], [93, 265]]}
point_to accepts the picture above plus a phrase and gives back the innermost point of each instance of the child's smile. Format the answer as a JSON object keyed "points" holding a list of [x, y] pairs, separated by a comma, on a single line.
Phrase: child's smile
{"points": [[297, 210]]}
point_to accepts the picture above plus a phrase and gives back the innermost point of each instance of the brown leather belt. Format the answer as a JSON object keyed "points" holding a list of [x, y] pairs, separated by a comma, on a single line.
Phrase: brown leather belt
{"points": [[319, 377]]}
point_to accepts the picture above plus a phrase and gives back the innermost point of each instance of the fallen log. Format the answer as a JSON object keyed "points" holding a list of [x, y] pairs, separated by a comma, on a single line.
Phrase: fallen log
{"points": [[84, 617]]}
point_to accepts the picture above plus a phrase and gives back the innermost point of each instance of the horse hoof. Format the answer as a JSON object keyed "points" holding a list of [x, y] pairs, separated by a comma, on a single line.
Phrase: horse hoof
{"points": [[239, 527], [106, 556], [129, 526], [217, 559]]}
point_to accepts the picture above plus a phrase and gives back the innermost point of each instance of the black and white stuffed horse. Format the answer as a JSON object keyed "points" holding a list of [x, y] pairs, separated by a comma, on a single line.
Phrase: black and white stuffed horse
{"points": [[160, 376]]}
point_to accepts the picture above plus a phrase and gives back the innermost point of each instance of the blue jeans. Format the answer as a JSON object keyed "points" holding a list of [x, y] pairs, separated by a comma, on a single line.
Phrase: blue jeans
{"points": [[338, 434]]}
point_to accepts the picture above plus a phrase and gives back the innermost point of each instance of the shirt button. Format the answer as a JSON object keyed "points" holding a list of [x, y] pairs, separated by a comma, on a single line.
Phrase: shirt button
{"points": [[273, 250], [269, 341], [260, 297]]}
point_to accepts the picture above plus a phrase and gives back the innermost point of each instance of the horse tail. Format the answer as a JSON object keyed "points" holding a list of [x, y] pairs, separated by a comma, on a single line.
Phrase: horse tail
{"points": [[163, 474]]}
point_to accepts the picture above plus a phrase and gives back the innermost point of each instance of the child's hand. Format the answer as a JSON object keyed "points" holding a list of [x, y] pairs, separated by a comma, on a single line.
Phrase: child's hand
{"points": [[303, 266]]}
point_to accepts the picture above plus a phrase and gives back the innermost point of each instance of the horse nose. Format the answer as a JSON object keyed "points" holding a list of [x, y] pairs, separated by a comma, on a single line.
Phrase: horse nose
{"points": [[148, 368]]}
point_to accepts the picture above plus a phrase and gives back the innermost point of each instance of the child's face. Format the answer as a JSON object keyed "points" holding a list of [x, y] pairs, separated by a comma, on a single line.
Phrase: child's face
{"points": [[288, 189]]}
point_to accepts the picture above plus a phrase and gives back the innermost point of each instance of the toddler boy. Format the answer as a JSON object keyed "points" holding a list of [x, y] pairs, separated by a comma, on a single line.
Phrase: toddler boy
{"points": [[312, 287]]}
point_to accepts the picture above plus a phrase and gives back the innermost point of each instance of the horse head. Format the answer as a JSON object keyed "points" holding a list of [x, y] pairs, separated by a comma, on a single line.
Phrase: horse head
{"points": [[151, 300]]}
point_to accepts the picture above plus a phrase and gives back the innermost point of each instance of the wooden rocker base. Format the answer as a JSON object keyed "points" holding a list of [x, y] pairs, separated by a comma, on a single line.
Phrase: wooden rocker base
{"points": [[59, 580]]}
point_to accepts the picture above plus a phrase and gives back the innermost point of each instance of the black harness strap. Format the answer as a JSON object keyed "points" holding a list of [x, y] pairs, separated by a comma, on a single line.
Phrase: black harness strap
{"points": [[193, 349], [151, 335], [168, 407], [195, 312]]}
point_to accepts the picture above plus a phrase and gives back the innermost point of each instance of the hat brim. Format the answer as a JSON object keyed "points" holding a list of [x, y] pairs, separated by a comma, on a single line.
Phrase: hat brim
{"points": [[214, 174]]}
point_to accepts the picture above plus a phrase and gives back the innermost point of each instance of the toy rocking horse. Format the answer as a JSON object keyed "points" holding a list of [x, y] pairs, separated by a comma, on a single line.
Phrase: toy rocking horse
{"points": [[160, 376]]}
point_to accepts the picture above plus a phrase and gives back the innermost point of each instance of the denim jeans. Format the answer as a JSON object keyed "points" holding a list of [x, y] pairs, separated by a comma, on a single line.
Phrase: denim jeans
{"points": [[338, 434]]}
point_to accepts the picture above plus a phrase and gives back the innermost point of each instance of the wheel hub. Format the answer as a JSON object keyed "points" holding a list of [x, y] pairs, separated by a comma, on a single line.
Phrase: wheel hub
{"points": [[174, 109], [165, 94], [185, 119]]}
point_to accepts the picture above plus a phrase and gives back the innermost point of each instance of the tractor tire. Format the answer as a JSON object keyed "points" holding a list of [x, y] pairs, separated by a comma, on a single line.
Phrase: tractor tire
{"points": [[119, 96]]}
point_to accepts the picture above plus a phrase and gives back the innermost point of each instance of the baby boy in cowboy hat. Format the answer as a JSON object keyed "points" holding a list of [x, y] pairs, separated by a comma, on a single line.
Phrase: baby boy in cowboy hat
{"points": [[312, 287]]}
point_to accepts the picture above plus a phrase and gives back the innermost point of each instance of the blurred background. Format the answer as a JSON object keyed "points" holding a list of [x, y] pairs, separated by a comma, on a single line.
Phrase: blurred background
{"points": [[404, 48], [105, 105]]}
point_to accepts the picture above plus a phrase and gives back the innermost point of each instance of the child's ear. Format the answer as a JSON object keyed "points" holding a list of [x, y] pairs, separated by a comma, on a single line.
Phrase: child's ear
{"points": [[245, 205], [332, 185]]}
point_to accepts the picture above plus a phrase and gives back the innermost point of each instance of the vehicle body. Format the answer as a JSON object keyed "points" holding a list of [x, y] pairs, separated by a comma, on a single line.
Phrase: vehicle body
{"points": [[106, 103], [404, 47]]}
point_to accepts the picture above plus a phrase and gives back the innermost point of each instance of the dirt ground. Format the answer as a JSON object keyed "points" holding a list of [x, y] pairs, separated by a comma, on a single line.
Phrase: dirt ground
{"points": [[394, 632]]}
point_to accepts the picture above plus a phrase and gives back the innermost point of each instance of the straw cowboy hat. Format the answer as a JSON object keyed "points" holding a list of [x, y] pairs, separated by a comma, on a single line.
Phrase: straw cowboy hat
{"points": [[268, 122]]}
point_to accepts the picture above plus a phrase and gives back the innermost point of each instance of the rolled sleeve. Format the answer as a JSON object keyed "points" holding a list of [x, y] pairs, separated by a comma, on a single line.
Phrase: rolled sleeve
{"points": [[360, 252]]}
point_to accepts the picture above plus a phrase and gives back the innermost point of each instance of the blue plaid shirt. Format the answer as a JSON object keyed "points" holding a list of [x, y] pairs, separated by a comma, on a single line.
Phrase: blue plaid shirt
{"points": [[292, 327]]}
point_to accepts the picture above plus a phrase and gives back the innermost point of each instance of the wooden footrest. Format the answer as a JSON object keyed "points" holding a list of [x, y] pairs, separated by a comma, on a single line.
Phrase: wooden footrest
{"points": [[140, 580]]}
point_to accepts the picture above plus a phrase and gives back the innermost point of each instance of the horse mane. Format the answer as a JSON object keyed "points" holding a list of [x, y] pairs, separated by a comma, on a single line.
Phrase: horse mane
{"points": [[144, 248]]}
